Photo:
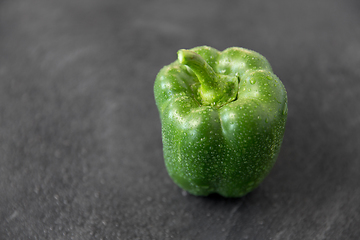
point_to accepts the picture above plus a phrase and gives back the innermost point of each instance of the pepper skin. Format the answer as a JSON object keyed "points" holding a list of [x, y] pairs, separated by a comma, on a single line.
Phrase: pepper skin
{"points": [[223, 118]]}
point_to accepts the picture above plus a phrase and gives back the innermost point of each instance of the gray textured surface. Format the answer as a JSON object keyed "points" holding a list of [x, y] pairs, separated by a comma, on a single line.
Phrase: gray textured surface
{"points": [[80, 142]]}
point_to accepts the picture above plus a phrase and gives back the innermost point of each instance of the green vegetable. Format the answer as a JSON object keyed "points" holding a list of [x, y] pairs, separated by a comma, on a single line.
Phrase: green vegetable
{"points": [[223, 118]]}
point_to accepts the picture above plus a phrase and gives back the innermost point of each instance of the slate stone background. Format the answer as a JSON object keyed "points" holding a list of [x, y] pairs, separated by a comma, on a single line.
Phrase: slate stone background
{"points": [[80, 136]]}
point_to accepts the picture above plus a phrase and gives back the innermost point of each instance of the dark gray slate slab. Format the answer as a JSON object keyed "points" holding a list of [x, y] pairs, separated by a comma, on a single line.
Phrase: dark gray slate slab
{"points": [[80, 142]]}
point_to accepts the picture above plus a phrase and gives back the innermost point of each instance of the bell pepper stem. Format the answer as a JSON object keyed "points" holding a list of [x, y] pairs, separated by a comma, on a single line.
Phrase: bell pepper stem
{"points": [[206, 75], [215, 89]]}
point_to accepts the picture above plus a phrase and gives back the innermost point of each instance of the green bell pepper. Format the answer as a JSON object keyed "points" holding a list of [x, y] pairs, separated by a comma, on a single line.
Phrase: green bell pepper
{"points": [[223, 118]]}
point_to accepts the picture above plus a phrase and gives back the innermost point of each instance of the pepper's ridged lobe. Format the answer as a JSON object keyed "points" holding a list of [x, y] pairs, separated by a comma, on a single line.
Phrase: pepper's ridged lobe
{"points": [[230, 148]]}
